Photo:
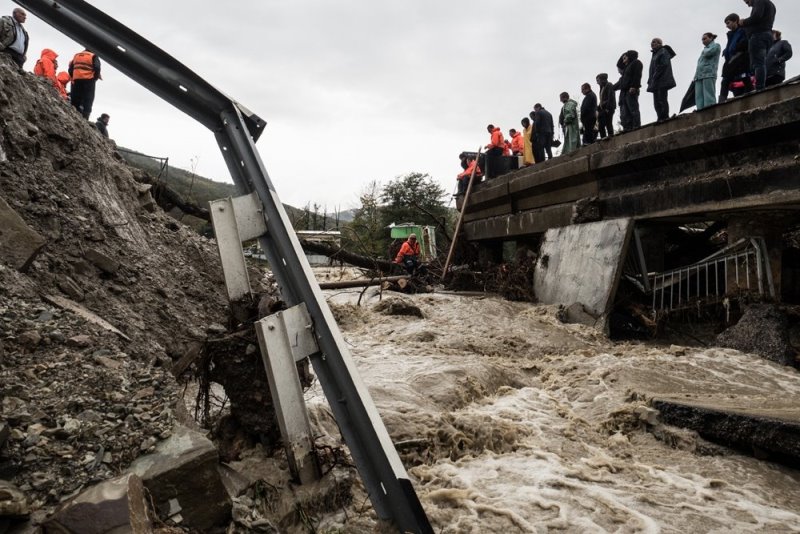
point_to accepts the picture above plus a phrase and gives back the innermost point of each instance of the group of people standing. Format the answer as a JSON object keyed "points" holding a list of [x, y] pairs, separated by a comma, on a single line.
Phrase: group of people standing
{"points": [[82, 73], [755, 57]]}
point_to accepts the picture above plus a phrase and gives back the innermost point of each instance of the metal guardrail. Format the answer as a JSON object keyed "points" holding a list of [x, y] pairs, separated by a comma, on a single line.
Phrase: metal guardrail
{"points": [[742, 267], [236, 130]]}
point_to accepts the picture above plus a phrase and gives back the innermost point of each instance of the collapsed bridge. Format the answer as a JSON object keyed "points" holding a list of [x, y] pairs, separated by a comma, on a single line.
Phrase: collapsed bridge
{"points": [[734, 165]]}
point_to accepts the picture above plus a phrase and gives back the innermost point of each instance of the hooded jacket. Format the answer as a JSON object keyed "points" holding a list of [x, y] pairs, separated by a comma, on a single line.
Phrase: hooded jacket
{"points": [[408, 249], [517, 143], [631, 73], [661, 76], [737, 57], [63, 80], [46, 66], [779, 53], [761, 19], [497, 140]]}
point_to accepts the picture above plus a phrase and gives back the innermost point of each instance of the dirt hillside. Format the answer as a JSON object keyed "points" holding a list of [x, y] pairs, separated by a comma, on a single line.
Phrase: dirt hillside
{"points": [[80, 400]]}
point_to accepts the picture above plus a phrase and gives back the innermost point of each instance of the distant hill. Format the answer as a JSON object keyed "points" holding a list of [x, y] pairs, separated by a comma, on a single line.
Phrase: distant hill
{"points": [[201, 190]]}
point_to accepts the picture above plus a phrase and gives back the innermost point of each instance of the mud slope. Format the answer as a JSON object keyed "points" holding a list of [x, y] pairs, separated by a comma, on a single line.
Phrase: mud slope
{"points": [[82, 401]]}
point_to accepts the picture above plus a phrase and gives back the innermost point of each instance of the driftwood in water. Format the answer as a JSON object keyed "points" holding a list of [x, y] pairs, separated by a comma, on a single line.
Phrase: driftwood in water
{"points": [[340, 254], [346, 284]]}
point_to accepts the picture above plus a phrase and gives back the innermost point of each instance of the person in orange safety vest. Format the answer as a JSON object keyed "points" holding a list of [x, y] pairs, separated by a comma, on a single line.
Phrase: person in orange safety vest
{"points": [[46, 66], [494, 150], [84, 69], [517, 142], [408, 256], [63, 80], [463, 178]]}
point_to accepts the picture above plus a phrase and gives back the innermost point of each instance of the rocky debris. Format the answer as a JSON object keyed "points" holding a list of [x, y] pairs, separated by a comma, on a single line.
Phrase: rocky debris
{"points": [[182, 478], [13, 503], [576, 314], [398, 306], [101, 261], [19, 243], [116, 505], [762, 330]]}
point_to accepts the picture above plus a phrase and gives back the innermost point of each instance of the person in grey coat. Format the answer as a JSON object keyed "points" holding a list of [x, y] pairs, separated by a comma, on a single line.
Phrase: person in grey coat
{"points": [[779, 53], [661, 79], [705, 77]]}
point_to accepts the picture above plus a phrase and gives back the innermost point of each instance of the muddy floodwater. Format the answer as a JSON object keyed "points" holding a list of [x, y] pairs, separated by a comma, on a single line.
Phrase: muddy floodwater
{"points": [[509, 421]]}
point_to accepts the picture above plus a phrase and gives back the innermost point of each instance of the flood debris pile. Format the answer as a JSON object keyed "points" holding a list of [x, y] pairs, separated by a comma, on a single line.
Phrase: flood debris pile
{"points": [[102, 295]]}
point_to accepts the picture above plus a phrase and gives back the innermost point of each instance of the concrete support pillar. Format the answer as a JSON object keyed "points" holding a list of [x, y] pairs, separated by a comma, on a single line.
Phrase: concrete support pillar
{"points": [[771, 231]]}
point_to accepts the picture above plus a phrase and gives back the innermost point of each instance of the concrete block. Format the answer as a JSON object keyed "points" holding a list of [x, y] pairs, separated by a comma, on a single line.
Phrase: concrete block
{"points": [[117, 505], [583, 263], [19, 243], [184, 482]]}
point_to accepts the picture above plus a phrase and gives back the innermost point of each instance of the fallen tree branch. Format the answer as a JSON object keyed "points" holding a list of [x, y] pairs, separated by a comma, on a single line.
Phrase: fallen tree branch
{"points": [[346, 284], [340, 254]]}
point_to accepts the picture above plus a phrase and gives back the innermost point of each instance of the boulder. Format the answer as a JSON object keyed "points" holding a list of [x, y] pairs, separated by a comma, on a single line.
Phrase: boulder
{"points": [[19, 243], [116, 505], [762, 330], [101, 261], [13, 503], [184, 482]]}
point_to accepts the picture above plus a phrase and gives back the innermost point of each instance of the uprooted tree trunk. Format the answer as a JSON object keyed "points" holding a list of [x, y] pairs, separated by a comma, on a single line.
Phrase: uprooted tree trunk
{"points": [[340, 254]]}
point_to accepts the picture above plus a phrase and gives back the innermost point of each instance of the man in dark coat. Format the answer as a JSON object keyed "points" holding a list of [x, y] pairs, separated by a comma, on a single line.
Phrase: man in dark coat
{"points": [[758, 27], [14, 37], [606, 106], [778, 55], [629, 86], [542, 133], [737, 60], [588, 114], [661, 79]]}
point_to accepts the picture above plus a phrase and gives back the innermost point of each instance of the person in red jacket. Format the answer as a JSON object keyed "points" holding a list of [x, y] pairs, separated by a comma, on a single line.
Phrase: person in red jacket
{"points": [[408, 256], [46, 66], [463, 178]]}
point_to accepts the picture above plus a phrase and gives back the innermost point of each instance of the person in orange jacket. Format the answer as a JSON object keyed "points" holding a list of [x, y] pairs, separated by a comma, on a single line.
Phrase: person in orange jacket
{"points": [[517, 142], [463, 178], [494, 150], [63, 80], [408, 256], [46, 66]]}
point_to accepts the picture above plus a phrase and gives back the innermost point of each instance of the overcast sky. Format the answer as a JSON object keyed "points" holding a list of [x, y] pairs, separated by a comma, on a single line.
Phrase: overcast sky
{"points": [[355, 91]]}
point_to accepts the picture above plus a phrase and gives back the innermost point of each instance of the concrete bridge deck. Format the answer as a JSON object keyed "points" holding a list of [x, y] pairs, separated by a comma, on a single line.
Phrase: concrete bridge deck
{"points": [[733, 157]]}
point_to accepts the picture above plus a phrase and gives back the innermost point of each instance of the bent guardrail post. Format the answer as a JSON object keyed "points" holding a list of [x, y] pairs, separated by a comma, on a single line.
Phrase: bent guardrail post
{"points": [[236, 130]]}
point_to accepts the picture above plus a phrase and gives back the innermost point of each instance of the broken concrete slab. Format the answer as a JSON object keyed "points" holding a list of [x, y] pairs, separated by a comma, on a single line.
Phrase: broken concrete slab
{"points": [[183, 480], [13, 503], [582, 264], [101, 261], [19, 243], [762, 330], [764, 432], [117, 505], [79, 310]]}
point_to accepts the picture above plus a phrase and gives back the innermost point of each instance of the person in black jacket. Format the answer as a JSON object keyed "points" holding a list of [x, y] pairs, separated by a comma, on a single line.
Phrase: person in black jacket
{"points": [[778, 55], [588, 114], [542, 133], [737, 60], [606, 106], [661, 79], [629, 86], [758, 27]]}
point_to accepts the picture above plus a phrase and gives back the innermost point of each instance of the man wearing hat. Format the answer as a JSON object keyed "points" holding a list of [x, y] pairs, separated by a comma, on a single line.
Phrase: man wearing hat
{"points": [[408, 256]]}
